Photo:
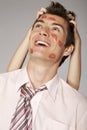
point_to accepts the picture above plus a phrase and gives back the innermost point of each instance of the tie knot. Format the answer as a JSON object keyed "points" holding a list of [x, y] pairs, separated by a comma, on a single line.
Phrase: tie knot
{"points": [[29, 92]]}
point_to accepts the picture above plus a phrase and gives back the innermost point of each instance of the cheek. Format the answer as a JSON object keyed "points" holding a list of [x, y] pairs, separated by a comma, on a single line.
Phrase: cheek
{"points": [[52, 56], [60, 44], [31, 50], [54, 36]]}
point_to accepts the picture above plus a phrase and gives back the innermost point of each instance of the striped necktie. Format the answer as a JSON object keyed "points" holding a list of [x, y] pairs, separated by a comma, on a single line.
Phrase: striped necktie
{"points": [[22, 118]]}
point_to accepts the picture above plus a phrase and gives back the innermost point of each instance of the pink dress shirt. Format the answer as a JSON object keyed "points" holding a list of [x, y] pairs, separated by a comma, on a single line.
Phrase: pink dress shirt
{"points": [[59, 108]]}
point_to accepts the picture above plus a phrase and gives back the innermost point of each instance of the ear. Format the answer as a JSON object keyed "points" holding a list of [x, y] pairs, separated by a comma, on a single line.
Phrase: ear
{"points": [[68, 50]]}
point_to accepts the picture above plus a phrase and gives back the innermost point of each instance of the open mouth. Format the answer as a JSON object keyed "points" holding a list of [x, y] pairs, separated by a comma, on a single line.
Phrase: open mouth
{"points": [[41, 43]]}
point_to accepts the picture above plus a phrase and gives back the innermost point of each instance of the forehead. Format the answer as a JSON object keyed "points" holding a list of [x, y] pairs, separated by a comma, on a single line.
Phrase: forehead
{"points": [[49, 17], [52, 18]]}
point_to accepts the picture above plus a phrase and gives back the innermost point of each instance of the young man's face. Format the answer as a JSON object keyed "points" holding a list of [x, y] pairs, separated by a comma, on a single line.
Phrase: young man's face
{"points": [[48, 37]]}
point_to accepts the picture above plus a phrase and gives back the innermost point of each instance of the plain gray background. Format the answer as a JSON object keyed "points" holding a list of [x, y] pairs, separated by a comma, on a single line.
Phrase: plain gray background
{"points": [[16, 16]]}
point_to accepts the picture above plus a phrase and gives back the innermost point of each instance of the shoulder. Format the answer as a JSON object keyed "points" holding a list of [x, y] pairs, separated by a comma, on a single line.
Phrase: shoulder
{"points": [[73, 95], [12, 77], [74, 100], [18, 76], [13, 80], [13, 73], [8, 75]]}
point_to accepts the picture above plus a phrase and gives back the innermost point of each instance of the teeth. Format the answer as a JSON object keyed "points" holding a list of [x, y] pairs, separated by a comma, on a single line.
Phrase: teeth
{"points": [[41, 43]]}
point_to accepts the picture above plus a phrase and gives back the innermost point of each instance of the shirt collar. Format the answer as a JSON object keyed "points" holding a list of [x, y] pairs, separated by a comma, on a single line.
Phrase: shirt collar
{"points": [[52, 86], [22, 78]]}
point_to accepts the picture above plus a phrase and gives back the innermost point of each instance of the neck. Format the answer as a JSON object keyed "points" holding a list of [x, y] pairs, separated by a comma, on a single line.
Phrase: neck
{"points": [[40, 72]]}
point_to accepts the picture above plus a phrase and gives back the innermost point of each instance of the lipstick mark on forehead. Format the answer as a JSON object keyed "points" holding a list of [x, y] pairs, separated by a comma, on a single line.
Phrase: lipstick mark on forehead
{"points": [[52, 18], [43, 16], [48, 17], [52, 56]]}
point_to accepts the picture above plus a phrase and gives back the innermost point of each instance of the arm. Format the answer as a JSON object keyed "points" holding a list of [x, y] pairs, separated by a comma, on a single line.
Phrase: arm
{"points": [[20, 54], [74, 71]]}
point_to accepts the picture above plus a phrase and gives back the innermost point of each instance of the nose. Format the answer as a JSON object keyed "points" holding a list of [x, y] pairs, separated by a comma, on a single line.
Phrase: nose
{"points": [[44, 32]]}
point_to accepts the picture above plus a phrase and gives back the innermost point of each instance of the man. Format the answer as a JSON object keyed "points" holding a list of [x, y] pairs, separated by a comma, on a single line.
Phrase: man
{"points": [[57, 106], [74, 70]]}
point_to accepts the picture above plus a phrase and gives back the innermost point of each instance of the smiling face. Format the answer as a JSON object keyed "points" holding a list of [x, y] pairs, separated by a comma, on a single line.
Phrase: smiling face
{"points": [[48, 37]]}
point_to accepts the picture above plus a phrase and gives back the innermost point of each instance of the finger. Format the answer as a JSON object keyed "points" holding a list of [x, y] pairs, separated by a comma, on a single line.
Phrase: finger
{"points": [[42, 11], [73, 22]]}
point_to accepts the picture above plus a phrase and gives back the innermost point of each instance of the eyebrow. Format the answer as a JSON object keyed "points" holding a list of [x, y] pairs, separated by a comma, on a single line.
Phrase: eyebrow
{"points": [[57, 24], [38, 20]]}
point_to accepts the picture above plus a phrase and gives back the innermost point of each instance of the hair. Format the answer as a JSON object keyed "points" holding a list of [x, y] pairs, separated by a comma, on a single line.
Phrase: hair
{"points": [[56, 8]]}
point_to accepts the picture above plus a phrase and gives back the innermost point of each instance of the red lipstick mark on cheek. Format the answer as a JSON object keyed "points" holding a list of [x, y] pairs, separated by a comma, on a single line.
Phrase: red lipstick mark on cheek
{"points": [[60, 43], [52, 56], [31, 50], [54, 36]]}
